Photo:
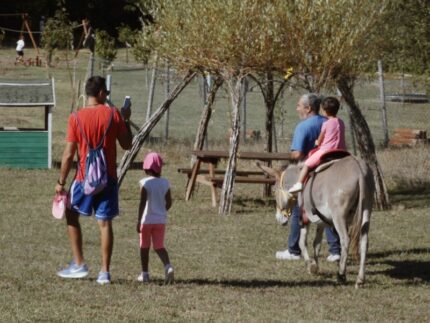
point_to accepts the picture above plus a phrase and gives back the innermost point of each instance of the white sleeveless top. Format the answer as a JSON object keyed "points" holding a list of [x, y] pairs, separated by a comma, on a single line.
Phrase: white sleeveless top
{"points": [[155, 209]]}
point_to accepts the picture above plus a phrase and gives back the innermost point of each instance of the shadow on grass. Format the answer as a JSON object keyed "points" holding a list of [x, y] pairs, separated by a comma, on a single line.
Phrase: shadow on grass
{"points": [[253, 283], [410, 197], [388, 253], [244, 205], [414, 270]]}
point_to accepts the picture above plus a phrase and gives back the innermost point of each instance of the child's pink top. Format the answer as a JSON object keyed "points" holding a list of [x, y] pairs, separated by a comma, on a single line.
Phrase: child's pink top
{"points": [[334, 137]]}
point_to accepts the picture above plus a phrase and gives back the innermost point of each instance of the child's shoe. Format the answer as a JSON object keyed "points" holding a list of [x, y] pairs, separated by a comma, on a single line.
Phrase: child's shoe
{"points": [[143, 277], [169, 276], [296, 188]]}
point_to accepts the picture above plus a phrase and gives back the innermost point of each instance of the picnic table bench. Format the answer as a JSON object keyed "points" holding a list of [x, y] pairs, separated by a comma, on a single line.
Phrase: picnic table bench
{"points": [[214, 177]]}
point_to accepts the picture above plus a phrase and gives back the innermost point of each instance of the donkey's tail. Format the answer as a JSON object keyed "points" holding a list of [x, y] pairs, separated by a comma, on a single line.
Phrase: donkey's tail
{"points": [[364, 207]]}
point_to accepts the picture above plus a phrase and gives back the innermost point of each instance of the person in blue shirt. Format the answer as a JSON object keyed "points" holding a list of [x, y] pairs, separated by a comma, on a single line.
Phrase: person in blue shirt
{"points": [[305, 135]]}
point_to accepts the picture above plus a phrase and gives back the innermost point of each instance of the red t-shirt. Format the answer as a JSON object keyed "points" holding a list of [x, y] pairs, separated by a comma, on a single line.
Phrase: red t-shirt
{"points": [[94, 121]]}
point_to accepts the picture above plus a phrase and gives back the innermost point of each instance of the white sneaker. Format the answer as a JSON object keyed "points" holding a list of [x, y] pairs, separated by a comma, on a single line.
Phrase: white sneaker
{"points": [[103, 278], [74, 271], [296, 188], [333, 258], [286, 255], [169, 276], [143, 278]]}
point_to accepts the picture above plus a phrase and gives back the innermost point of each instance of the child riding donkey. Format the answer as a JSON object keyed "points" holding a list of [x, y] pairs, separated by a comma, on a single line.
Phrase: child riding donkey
{"points": [[332, 136]]}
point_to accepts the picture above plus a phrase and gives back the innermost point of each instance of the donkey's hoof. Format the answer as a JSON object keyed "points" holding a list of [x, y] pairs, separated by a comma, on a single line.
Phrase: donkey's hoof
{"points": [[313, 268], [341, 279], [359, 283]]}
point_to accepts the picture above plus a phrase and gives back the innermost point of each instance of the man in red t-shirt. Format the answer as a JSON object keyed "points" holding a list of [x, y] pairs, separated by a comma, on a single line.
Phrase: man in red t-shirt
{"points": [[94, 121]]}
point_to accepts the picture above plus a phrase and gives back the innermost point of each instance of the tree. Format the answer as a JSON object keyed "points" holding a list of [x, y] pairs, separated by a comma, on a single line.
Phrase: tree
{"points": [[2, 33], [57, 34], [141, 40], [105, 47], [127, 37], [326, 45], [407, 38], [230, 40], [333, 44]]}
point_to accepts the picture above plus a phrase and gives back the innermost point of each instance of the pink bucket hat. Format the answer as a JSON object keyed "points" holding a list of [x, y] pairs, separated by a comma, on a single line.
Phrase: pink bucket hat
{"points": [[154, 162], [59, 205]]}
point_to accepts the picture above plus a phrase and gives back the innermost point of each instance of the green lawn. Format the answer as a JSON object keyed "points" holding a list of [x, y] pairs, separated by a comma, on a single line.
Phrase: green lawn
{"points": [[225, 266]]}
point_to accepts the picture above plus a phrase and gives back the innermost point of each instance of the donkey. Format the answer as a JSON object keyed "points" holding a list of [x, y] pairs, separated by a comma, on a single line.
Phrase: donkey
{"points": [[339, 194]]}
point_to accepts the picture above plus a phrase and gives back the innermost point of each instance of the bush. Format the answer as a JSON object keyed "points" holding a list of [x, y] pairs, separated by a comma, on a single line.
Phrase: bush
{"points": [[105, 46], [2, 34], [58, 33]]}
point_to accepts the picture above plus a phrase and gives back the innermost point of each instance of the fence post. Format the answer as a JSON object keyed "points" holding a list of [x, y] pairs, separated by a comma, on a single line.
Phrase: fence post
{"points": [[244, 90], [383, 107], [166, 125], [109, 85], [151, 91], [91, 65], [207, 86]]}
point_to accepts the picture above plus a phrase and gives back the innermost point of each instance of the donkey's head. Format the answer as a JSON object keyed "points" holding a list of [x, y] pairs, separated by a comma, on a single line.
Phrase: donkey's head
{"points": [[285, 201]]}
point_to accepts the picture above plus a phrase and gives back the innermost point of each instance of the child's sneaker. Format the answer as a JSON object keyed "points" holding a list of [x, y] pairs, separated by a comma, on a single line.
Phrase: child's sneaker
{"points": [[296, 188], [103, 278], [169, 276], [143, 277], [74, 271]]}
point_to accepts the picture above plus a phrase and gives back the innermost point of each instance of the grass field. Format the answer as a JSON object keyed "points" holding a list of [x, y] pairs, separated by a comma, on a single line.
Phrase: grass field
{"points": [[225, 266]]}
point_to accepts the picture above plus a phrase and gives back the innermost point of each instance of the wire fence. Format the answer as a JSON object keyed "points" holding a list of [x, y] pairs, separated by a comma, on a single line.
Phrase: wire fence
{"points": [[181, 124]]}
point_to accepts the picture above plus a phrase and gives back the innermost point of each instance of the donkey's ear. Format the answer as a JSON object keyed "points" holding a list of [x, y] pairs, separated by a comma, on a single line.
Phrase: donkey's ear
{"points": [[270, 171]]}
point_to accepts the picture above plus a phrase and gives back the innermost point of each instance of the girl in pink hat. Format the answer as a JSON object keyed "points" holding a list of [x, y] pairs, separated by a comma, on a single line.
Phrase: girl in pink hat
{"points": [[155, 201]]}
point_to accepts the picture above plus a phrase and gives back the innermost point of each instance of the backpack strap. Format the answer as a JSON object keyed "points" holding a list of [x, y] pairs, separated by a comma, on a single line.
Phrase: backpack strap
{"points": [[104, 135]]}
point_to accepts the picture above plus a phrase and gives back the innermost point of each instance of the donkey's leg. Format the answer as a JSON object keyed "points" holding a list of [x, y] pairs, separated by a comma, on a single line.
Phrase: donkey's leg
{"points": [[317, 248], [303, 243], [340, 226], [363, 249]]}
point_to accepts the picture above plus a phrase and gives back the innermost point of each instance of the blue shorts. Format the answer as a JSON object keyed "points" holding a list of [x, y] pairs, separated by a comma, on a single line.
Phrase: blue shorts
{"points": [[104, 204]]}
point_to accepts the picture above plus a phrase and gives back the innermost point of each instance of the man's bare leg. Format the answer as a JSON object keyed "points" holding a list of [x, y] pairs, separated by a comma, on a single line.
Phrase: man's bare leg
{"points": [[106, 235], [75, 236]]}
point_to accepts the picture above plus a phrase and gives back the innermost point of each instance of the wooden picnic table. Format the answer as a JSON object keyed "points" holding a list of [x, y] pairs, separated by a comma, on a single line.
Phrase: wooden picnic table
{"points": [[214, 177]]}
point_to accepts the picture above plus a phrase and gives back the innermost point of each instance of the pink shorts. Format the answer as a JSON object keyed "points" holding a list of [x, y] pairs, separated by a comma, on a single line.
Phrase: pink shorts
{"points": [[154, 231], [315, 159]]}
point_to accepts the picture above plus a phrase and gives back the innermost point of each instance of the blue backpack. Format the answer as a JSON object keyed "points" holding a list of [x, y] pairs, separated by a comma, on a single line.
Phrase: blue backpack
{"points": [[96, 170]]}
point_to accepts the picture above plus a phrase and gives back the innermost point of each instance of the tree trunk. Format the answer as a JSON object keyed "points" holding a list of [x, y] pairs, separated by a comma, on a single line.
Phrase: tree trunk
{"points": [[270, 107], [226, 200], [365, 143], [145, 130], [206, 115]]}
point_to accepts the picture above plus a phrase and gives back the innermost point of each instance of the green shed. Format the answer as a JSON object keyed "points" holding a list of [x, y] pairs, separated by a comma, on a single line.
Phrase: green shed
{"points": [[23, 146]]}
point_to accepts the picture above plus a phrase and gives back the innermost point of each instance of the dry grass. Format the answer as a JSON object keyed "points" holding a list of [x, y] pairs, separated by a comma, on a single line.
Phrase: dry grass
{"points": [[407, 168], [225, 267]]}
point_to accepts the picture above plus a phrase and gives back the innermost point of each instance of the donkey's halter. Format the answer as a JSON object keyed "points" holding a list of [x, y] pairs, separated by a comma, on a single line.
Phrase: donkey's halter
{"points": [[286, 212]]}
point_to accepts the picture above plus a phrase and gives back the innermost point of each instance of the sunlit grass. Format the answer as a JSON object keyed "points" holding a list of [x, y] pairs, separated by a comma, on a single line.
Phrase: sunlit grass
{"points": [[225, 266]]}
